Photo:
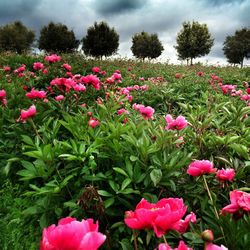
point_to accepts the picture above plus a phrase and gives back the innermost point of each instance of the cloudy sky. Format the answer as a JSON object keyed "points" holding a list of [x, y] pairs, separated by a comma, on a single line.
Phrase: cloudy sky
{"points": [[164, 17]]}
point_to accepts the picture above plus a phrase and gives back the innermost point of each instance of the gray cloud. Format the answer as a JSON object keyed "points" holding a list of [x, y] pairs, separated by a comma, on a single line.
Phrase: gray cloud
{"points": [[111, 7], [128, 17]]}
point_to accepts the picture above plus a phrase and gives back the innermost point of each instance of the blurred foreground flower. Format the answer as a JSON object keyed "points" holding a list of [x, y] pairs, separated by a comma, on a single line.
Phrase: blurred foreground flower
{"points": [[71, 234]]}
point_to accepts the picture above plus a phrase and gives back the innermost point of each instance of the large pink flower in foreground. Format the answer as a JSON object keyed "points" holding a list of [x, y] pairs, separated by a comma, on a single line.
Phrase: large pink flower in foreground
{"points": [[162, 216], [197, 168], [181, 246], [240, 201], [147, 112], [175, 124], [71, 234], [211, 246]]}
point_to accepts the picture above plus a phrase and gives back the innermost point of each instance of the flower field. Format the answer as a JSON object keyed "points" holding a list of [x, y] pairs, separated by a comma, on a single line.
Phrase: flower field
{"points": [[123, 155]]}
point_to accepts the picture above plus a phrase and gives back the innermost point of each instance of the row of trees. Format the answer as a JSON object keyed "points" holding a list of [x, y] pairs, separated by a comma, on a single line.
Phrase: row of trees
{"points": [[194, 40]]}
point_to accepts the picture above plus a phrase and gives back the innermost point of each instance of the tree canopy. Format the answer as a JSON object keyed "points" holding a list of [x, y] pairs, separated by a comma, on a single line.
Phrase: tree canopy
{"points": [[194, 40], [146, 45], [237, 47], [101, 40], [57, 38], [16, 37]]}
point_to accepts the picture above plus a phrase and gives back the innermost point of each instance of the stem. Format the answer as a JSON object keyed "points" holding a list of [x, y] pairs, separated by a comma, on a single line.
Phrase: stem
{"points": [[135, 240], [214, 207], [164, 238], [36, 131]]}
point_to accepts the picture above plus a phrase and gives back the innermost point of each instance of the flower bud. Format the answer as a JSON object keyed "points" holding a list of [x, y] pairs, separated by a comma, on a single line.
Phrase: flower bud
{"points": [[207, 235]]}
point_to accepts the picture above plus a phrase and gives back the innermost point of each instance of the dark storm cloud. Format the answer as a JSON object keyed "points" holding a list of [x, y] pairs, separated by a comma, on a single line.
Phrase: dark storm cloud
{"points": [[164, 17], [111, 7], [15, 9]]}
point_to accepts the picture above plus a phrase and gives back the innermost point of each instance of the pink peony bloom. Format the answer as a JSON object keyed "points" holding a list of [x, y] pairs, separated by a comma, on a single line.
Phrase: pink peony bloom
{"points": [[6, 68], [197, 168], [71, 234], [52, 58], [36, 94], [200, 73], [147, 112], [91, 79], [121, 111], [225, 174], [211, 246], [96, 70], [93, 122], [26, 114], [175, 124], [38, 66], [137, 106], [181, 246], [178, 75], [248, 91], [2, 94], [162, 216], [59, 98], [20, 69], [240, 201], [67, 66]]}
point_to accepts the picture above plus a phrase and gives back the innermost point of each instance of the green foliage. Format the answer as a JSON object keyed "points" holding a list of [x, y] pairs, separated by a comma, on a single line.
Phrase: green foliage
{"points": [[101, 40], [57, 38], [16, 37], [237, 47], [146, 45], [194, 40], [56, 165]]}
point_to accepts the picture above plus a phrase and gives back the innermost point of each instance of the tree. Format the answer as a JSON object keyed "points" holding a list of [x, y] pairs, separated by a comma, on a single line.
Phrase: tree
{"points": [[237, 47], [57, 38], [100, 40], [16, 37], [194, 40], [146, 45]]}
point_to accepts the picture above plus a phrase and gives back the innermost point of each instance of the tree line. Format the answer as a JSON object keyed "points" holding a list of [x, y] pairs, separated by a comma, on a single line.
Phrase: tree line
{"points": [[193, 40]]}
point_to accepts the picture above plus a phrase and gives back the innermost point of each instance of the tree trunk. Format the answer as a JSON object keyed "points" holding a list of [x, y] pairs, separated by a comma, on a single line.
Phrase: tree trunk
{"points": [[241, 64], [191, 61]]}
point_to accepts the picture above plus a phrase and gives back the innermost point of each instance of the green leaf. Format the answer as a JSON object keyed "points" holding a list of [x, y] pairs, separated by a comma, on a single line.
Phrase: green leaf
{"points": [[109, 202], [125, 183], [104, 193], [121, 171], [156, 175], [133, 158]]}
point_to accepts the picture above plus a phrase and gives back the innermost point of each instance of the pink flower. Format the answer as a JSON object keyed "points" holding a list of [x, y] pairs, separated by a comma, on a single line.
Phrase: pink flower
{"points": [[211, 246], [137, 106], [6, 68], [200, 73], [52, 58], [175, 124], [96, 70], [225, 174], [2, 94], [59, 98], [121, 111], [67, 66], [162, 216], [71, 234], [91, 79], [26, 114], [36, 94], [198, 168], [178, 75], [240, 201], [93, 122], [248, 91], [20, 69], [38, 66], [181, 246], [147, 112]]}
